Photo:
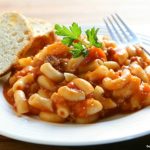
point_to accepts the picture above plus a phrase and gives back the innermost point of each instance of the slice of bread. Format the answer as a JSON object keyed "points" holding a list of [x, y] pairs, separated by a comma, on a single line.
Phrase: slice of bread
{"points": [[43, 34], [40, 27], [15, 38], [21, 36]]}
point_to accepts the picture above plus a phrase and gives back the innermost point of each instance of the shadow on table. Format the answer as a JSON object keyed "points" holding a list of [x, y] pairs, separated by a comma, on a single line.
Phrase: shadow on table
{"points": [[136, 144]]}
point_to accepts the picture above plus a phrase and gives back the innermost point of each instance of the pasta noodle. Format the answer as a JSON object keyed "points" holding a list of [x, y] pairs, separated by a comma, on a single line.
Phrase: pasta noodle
{"points": [[83, 85], [118, 83], [48, 70], [69, 76], [93, 106], [22, 82], [58, 88], [41, 103], [71, 94], [51, 117], [21, 102], [46, 83], [98, 74]]}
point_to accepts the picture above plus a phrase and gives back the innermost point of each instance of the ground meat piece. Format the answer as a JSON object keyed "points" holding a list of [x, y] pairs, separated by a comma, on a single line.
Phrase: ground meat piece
{"points": [[110, 54], [139, 60], [57, 63]]}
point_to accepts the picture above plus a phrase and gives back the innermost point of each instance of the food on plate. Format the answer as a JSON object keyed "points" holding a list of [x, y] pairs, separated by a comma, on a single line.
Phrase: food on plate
{"points": [[18, 35], [79, 78]]}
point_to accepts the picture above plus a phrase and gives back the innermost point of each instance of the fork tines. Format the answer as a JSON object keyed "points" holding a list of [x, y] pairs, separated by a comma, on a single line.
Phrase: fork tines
{"points": [[118, 30]]}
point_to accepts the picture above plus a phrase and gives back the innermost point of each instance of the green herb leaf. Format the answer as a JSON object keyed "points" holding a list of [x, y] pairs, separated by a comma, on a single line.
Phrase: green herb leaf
{"points": [[76, 30], [72, 38], [75, 53], [92, 37], [64, 31], [73, 32], [67, 41], [78, 50], [85, 53], [78, 46]]}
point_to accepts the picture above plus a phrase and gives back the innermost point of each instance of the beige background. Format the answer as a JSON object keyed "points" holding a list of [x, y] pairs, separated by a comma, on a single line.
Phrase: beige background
{"points": [[135, 12]]}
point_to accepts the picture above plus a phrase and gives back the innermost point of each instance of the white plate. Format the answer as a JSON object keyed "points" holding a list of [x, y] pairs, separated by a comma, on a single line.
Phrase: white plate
{"points": [[112, 129]]}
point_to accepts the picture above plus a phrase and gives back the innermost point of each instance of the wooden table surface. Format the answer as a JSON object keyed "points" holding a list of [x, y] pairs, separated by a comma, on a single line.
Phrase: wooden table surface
{"points": [[135, 12]]}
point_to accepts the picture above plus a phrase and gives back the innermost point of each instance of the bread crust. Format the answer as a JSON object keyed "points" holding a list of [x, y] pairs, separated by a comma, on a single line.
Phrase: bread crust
{"points": [[8, 23], [37, 30]]}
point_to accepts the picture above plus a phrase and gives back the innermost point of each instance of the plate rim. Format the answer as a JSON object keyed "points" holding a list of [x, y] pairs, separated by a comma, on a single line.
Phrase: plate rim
{"points": [[58, 143]]}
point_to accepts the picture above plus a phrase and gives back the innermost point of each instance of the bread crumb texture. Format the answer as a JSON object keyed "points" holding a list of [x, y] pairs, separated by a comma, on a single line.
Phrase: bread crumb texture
{"points": [[15, 36]]}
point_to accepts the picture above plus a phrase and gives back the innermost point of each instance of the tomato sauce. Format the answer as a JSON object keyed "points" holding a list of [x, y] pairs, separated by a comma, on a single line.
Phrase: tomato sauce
{"points": [[8, 95]]}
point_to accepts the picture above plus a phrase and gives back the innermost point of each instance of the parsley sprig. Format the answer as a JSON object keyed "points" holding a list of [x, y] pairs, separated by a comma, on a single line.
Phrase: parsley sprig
{"points": [[72, 38], [92, 37], [78, 50]]}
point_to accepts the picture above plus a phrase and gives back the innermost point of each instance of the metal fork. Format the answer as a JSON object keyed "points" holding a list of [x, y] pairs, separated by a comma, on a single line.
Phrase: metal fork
{"points": [[120, 32]]}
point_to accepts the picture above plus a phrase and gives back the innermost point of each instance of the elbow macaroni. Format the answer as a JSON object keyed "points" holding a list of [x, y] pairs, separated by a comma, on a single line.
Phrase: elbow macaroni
{"points": [[21, 102], [80, 90], [83, 85], [41, 103], [71, 94], [48, 70], [22, 82], [46, 83]]}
